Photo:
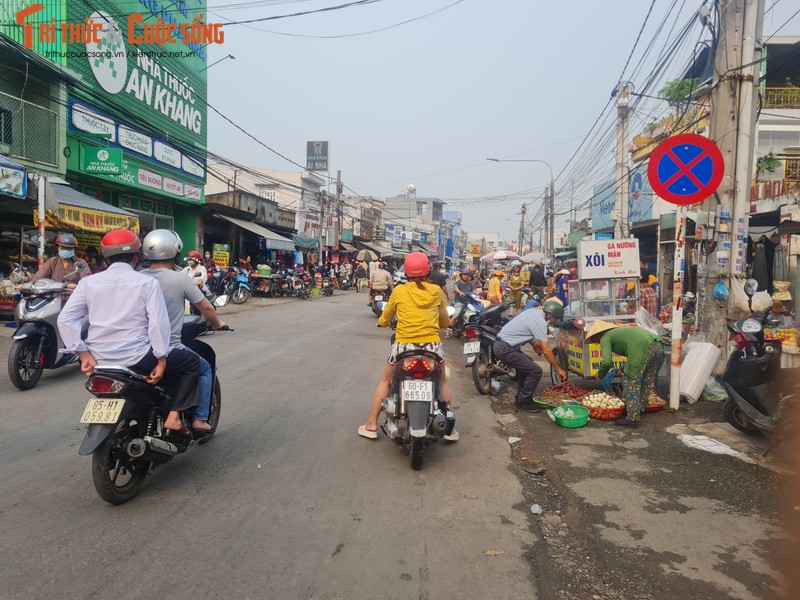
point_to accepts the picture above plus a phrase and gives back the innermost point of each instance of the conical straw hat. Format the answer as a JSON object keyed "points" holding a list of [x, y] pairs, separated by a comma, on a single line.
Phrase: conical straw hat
{"points": [[597, 328]]}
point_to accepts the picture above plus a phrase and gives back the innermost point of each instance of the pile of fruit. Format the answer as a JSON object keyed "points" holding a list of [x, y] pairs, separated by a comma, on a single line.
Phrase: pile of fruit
{"points": [[788, 338], [603, 406], [553, 399], [573, 391], [654, 403]]}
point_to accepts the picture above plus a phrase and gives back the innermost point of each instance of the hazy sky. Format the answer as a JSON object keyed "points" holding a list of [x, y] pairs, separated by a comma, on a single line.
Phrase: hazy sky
{"points": [[427, 102]]}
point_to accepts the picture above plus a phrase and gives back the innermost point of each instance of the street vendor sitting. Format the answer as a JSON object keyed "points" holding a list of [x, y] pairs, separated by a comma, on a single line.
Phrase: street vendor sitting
{"points": [[644, 355]]}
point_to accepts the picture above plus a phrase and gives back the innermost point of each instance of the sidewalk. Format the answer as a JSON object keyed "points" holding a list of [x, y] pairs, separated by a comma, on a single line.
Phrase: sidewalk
{"points": [[650, 513]]}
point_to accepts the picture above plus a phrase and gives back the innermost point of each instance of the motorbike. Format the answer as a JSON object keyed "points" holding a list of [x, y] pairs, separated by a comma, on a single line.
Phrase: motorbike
{"points": [[125, 434], [298, 285], [239, 286], [218, 281], [345, 283], [480, 335], [37, 340], [377, 300], [327, 287], [413, 412], [752, 378], [468, 309]]}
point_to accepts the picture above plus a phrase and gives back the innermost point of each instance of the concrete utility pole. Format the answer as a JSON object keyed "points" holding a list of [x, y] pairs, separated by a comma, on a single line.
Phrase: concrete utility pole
{"points": [[546, 227], [621, 226], [552, 205], [521, 239], [338, 212], [737, 71]]}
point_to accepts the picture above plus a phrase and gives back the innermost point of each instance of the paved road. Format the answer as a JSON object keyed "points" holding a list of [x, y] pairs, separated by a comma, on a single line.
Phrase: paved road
{"points": [[327, 515]]}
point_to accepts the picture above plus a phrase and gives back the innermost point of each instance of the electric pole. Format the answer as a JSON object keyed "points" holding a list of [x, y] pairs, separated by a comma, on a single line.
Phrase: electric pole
{"points": [[521, 238], [546, 228], [552, 217], [621, 228], [737, 72]]}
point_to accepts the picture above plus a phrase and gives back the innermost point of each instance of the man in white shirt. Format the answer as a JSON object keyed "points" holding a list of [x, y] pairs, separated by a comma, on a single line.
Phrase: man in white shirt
{"points": [[129, 326]]}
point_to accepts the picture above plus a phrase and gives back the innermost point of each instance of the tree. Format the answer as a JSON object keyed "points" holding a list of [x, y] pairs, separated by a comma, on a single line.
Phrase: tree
{"points": [[678, 93]]}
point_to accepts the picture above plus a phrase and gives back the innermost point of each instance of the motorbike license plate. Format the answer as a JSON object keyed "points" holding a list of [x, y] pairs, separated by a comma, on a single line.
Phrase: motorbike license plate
{"points": [[472, 347], [378, 298], [417, 391], [105, 410]]}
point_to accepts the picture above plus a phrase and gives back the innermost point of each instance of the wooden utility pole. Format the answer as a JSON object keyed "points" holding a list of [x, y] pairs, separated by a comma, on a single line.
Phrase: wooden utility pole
{"points": [[737, 71]]}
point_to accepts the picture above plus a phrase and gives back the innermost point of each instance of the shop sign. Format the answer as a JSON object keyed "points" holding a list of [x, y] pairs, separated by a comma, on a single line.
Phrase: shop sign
{"points": [[173, 186], [138, 142], [76, 218], [13, 179], [475, 249], [167, 155], [222, 255], [97, 159], [89, 121], [192, 167], [317, 156], [606, 259]]}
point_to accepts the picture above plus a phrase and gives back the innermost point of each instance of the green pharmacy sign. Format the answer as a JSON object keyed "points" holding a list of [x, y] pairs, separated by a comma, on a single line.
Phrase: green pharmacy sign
{"points": [[95, 159]]}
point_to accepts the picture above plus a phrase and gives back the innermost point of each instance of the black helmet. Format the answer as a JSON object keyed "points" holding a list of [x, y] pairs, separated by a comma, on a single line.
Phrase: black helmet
{"points": [[66, 240]]}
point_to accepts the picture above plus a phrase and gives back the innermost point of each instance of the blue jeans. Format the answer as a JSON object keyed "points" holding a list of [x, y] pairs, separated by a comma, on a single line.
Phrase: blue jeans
{"points": [[204, 385]]}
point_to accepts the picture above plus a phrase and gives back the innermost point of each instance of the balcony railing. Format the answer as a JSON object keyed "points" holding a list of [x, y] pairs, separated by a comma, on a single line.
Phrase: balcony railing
{"points": [[33, 130], [782, 97]]}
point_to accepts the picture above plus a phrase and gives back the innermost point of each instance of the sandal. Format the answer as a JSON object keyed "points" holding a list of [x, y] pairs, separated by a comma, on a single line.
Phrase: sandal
{"points": [[177, 433], [364, 432]]}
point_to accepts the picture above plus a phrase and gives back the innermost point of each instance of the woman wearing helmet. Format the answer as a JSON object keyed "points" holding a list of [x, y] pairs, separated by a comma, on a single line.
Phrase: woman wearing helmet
{"points": [[421, 312], [195, 270], [64, 267]]}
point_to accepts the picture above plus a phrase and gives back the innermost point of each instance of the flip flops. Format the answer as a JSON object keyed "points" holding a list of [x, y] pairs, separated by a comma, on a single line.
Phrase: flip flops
{"points": [[183, 432], [364, 432]]}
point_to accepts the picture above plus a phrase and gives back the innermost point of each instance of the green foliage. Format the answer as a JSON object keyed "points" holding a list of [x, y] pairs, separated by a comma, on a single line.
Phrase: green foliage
{"points": [[678, 92], [769, 163]]}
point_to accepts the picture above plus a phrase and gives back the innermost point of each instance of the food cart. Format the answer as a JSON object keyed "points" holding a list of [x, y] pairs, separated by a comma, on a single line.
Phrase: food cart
{"points": [[607, 288]]}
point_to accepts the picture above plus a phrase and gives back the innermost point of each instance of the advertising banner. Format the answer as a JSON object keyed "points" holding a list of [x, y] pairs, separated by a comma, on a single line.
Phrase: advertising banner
{"points": [[606, 259], [317, 156], [76, 218], [222, 255], [96, 159]]}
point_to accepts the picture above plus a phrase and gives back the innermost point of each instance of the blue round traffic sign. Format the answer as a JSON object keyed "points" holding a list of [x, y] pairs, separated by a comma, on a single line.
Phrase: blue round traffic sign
{"points": [[686, 169]]}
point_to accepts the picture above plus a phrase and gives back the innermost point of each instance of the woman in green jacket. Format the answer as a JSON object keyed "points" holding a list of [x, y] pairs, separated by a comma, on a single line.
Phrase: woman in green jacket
{"points": [[644, 355]]}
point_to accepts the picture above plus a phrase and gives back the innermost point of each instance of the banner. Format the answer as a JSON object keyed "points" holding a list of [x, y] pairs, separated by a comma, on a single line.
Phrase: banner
{"points": [[75, 218], [222, 255]]}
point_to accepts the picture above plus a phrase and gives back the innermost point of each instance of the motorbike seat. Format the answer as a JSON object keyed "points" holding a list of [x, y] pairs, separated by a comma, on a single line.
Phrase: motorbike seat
{"points": [[492, 314]]}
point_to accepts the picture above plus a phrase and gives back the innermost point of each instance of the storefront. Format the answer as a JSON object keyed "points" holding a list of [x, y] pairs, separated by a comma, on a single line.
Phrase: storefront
{"points": [[259, 243]]}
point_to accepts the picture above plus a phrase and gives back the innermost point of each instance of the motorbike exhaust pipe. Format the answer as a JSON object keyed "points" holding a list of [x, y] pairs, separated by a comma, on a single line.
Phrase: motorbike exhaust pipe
{"points": [[161, 446], [136, 448]]}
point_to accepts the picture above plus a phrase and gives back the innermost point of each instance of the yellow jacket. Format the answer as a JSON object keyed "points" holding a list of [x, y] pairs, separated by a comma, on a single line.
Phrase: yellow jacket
{"points": [[494, 289], [421, 312]]}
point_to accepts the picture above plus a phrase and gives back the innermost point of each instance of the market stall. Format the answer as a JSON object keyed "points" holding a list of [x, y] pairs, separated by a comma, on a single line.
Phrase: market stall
{"points": [[607, 288]]}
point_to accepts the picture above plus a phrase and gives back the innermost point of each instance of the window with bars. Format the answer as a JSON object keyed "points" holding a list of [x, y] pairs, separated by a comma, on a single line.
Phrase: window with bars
{"points": [[792, 169]]}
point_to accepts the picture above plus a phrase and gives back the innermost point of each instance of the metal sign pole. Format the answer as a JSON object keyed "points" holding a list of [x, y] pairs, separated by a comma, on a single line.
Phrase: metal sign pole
{"points": [[677, 310], [41, 208]]}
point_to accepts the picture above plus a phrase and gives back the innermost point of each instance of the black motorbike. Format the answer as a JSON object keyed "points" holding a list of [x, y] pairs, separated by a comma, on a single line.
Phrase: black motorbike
{"points": [[345, 283], [125, 434], [480, 334], [752, 377], [377, 300]]}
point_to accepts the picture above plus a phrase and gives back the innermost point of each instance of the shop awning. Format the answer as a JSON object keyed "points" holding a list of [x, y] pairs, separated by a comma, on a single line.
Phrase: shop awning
{"points": [[566, 253], [272, 240], [425, 249], [13, 178], [79, 212], [303, 241], [347, 247]]}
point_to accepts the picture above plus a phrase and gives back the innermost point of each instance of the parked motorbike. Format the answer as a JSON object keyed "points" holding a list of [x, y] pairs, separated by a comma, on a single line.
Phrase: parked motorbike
{"points": [[480, 335], [467, 310], [327, 287], [218, 281], [37, 339], [345, 283], [298, 285], [125, 434], [377, 300], [413, 411], [752, 377], [239, 287]]}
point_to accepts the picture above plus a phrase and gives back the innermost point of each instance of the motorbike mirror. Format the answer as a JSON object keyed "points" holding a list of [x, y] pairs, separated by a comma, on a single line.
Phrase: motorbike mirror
{"points": [[750, 287], [221, 300]]}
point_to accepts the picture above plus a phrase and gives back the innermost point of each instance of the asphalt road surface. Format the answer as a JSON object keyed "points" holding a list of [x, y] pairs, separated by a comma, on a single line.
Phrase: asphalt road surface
{"points": [[286, 501]]}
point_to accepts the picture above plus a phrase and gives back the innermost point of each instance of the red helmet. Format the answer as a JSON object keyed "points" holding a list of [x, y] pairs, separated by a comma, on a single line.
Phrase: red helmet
{"points": [[120, 241], [195, 255], [417, 265], [573, 271]]}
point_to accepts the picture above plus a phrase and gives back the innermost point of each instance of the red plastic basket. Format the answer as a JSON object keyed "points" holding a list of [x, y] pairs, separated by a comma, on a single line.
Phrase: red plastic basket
{"points": [[605, 414], [655, 407]]}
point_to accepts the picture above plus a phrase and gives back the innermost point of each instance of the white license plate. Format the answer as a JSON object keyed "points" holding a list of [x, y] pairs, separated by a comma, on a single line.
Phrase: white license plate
{"points": [[417, 391], [378, 298], [472, 347], [105, 410]]}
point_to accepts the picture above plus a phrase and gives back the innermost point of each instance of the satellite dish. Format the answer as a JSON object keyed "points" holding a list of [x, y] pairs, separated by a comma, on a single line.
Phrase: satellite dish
{"points": [[411, 188]]}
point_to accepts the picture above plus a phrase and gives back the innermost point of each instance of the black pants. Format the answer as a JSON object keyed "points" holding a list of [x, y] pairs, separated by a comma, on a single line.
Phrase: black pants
{"points": [[528, 372], [180, 376]]}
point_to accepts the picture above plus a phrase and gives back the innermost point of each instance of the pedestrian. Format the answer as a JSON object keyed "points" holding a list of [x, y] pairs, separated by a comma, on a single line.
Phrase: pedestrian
{"points": [[531, 326], [495, 294], [515, 291], [643, 357], [361, 276], [648, 297], [538, 281], [439, 277], [561, 291]]}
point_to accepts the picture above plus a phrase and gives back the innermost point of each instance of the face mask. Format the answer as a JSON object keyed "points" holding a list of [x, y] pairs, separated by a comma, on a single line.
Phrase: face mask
{"points": [[66, 254], [192, 261]]}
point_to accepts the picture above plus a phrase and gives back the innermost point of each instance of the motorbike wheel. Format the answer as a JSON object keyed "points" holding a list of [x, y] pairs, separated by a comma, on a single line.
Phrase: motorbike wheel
{"points": [[561, 357], [24, 367], [274, 290], [458, 328], [240, 295], [214, 412], [117, 477], [736, 417], [417, 451], [481, 376]]}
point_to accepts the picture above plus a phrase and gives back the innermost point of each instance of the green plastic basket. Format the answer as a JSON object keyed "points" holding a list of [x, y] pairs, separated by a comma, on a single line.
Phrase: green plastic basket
{"points": [[579, 420], [540, 403]]}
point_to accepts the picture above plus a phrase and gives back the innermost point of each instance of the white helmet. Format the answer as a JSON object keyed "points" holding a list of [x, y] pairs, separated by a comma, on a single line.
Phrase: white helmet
{"points": [[161, 244]]}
